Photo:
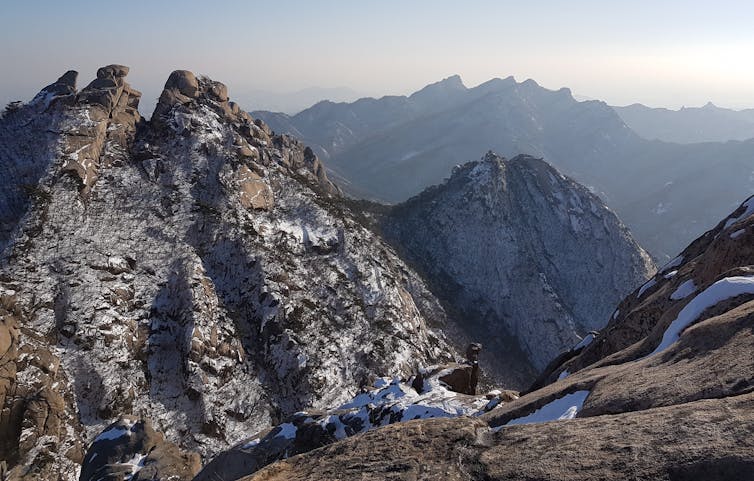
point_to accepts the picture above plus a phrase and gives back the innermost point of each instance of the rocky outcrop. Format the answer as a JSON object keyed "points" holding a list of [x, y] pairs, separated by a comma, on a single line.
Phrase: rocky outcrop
{"points": [[664, 444], [184, 91], [130, 448], [458, 377], [253, 191], [664, 392], [529, 259], [390, 401], [65, 85], [9, 340], [194, 270], [102, 123], [39, 431]]}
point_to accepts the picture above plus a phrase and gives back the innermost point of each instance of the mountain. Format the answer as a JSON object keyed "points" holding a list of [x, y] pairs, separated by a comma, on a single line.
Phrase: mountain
{"points": [[529, 259], [293, 102], [191, 297], [709, 123], [664, 392], [194, 271], [392, 148]]}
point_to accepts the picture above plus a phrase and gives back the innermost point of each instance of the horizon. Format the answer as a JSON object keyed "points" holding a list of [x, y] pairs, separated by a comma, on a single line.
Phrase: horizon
{"points": [[671, 55]]}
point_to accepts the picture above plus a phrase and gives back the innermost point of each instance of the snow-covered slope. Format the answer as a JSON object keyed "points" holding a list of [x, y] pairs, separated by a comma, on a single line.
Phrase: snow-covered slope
{"points": [[195, 270], [528, 258], [663, 393]]}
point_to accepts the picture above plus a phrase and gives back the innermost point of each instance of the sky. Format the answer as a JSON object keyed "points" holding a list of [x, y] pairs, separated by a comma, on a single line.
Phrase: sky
{"points": [[660, 53]]}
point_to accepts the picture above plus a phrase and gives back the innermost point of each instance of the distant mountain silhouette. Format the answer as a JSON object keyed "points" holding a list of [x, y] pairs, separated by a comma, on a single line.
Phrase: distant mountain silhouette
{"points": [[391, 148], [688, 125], [294, 101]]}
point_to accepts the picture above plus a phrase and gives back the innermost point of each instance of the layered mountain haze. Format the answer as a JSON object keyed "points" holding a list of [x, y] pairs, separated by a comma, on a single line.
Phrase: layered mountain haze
{"points": [[528, 258], [392, 148], [709, 123]]}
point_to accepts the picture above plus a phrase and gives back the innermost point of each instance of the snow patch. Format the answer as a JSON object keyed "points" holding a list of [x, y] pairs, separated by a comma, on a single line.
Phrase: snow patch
{"points": [[684, 290], [116, 432], [135, 464], [287, 430], [650, 283], [250, 444], [584, 342], [719, 291], [566, 407], [749, 204], [670, 274], [738, 233], [387, 391], [673, 263]]}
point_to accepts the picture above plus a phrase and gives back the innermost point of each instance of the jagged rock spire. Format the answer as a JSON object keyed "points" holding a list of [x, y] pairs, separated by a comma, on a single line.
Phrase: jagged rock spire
{"points": [[106, 109], [65, 85]]}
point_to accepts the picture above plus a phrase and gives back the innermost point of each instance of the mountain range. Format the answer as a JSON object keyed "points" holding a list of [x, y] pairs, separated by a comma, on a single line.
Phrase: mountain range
{"points": [[182, 282], [391, 148], [193, 298], [687, 125]]}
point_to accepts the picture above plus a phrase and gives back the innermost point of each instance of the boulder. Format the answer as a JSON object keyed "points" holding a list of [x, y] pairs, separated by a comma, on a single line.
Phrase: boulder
{"points": [[254, 193], [131, 448], [184, 82], [65, 85], [112, 71], [265, 128], [219, 92], [456, 377], [461, 378]]}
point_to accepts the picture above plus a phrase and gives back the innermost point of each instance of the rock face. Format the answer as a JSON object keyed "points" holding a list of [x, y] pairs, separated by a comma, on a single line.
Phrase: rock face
{"points": [[106, 114], [664, 392], [130, 448], [194, 271], [527, 257], [40, 434]]}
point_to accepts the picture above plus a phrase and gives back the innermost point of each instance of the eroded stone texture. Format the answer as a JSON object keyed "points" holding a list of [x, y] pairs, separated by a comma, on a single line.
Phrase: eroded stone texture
{"points": [[674, 410], [531, 259], [194, 270], [102, 123]]}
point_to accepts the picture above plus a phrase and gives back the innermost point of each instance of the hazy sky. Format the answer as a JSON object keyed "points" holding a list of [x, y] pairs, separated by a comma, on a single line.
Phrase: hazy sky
{"points": [[661, 53]]}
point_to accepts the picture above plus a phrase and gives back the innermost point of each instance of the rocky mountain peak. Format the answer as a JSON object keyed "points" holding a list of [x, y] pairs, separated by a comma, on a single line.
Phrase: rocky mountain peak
{"points": [[448, 89], [450, 83], [532, 241], [65, 85], [95, 121], [495, 84], [195, 271]]}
